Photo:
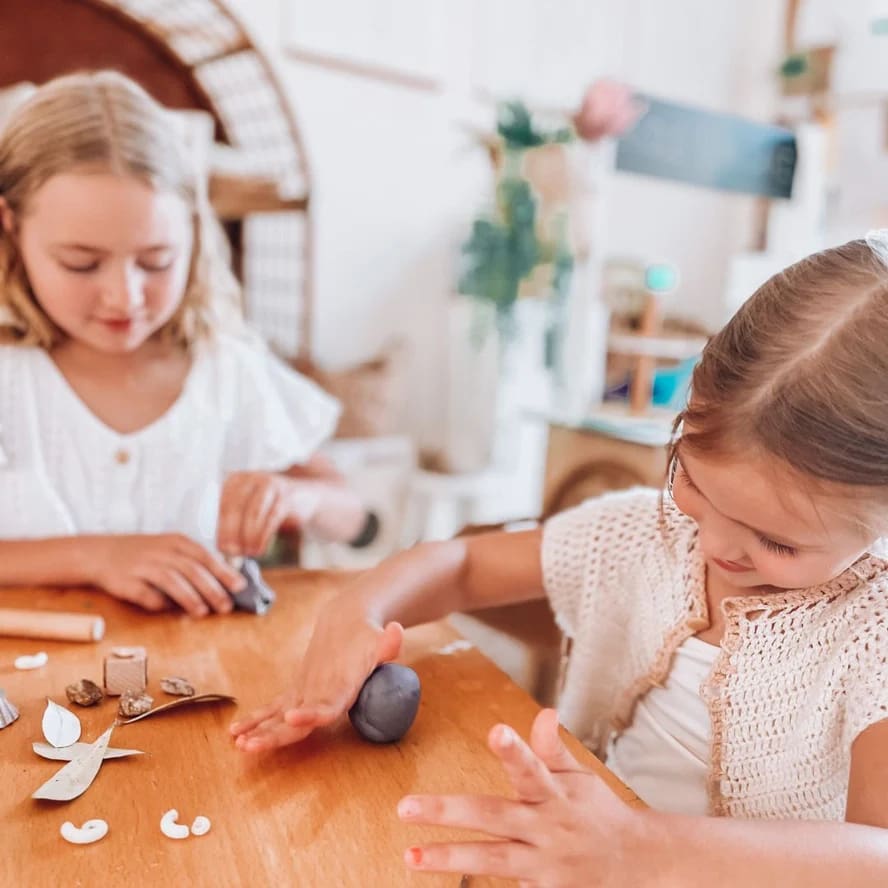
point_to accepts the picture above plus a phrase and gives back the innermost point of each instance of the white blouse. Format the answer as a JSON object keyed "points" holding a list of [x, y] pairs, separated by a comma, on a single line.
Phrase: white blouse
{"points": [[63, 471], [664, 754]]}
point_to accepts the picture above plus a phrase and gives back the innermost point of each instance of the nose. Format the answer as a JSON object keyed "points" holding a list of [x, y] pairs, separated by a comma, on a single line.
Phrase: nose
{"points": [[718, 539], [123, 292]]}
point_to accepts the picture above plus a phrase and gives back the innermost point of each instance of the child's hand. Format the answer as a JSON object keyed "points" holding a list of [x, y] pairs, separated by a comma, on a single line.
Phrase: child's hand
{"points": [[566, 827], [253, 507], [152, 570], [343, 651]]}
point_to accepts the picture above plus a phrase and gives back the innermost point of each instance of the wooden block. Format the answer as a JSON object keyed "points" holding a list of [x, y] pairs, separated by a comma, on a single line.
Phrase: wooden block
{"points": [[126, 669]]}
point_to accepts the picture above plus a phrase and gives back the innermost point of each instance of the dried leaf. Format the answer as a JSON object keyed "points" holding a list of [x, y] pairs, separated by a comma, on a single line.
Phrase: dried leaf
{"points": [[60, 726], [75, 778], [69, 753], [176, 704]]}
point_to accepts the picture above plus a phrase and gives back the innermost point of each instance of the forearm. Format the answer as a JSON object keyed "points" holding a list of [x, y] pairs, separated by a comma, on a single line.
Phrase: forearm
{"points": [[705, 851], [56, 561], [432, 580]]}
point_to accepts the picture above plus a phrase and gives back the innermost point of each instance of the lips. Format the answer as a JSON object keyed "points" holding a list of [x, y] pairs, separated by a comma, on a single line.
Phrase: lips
{"points": [[731, 566], [121, 324]]}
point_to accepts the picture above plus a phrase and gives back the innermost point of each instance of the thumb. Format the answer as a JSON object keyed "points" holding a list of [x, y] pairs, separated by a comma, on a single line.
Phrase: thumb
{"points": [[548, 745], [389, 645]]}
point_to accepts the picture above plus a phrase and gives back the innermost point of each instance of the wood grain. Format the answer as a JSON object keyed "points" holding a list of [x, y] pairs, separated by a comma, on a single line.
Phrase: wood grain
{"points": [[319, 813]]}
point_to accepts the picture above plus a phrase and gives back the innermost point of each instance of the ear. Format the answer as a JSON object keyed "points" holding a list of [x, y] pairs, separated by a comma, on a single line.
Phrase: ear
{"points": [[7, 217]]}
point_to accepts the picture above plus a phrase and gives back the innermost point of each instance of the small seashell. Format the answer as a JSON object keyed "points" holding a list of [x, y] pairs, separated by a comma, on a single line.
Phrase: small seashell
{"points": [[201, 825], [132, 704], [84, 692], [177, 687], [31, 661], [8, 712], [60, 726]]}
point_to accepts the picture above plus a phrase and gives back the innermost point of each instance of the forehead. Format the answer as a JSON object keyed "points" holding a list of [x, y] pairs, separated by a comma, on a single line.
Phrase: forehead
{"points": [[105, 210], [764, 494]]}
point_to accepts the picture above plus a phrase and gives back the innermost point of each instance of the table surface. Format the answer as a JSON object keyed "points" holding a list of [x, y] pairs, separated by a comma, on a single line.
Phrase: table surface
{"points": [[318, 813]]}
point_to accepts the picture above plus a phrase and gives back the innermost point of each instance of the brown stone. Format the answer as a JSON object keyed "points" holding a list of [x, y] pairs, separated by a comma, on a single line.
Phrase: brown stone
{"points": [[177, 687], [84, 692], [133, 703]]}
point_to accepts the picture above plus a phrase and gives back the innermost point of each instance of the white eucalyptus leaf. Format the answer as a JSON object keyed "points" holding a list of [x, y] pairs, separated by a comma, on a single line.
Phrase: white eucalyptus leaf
{"points": [[60, 726]]}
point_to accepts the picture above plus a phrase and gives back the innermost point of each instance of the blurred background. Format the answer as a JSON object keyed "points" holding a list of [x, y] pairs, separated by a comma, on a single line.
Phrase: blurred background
{"points": [[431, 217]]}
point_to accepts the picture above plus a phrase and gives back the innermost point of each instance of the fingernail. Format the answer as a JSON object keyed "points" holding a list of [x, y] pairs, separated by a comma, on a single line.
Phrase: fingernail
{"points": [[413, 856], [506, 737], [408, 807]]}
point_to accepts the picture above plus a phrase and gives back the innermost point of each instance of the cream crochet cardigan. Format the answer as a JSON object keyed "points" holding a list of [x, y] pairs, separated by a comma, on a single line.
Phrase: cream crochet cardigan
{"points": [[800, 674]]}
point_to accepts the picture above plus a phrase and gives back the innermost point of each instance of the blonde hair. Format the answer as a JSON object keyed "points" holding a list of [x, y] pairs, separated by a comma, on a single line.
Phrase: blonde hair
{"points": [[800, 373], [105, 122]]}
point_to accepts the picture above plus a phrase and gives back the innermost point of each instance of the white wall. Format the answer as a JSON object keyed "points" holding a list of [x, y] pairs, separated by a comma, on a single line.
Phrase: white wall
{"points": [[396, 181]]}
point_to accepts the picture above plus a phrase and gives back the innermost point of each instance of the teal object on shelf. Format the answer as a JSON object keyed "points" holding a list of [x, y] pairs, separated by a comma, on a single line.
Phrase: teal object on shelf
{"points": [[672, 384], [660, 278]]}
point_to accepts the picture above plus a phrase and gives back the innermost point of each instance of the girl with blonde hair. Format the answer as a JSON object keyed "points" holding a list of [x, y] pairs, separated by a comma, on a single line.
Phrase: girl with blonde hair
{"points": [[143, 430]]}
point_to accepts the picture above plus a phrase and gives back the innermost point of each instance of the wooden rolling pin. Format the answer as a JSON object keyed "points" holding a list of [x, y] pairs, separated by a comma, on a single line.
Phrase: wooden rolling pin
{"points": [[56, 625]]}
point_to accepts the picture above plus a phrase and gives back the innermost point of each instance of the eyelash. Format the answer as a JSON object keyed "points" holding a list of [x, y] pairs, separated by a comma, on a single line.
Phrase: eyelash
{"points": [[777, 548], [767, 543], [88, 269]]}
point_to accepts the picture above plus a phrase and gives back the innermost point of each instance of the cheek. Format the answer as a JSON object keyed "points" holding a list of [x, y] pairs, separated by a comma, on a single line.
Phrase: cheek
{"points": [[800, 572], [686, 501]]}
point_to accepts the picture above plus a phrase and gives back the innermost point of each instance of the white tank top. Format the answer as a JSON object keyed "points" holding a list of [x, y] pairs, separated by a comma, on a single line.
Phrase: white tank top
{"points": [[664, 754]]}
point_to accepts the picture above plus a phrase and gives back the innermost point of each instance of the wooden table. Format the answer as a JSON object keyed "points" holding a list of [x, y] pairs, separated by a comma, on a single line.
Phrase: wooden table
{"points": [[321, 813]]}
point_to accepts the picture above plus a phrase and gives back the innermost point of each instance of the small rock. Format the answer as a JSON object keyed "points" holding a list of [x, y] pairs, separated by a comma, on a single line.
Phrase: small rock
{"points": [[132, 704], [84, 692], [177, 687]]}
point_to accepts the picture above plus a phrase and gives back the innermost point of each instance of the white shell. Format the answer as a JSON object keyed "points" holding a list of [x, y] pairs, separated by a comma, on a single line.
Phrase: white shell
{"points": [[170, 828], [8, 711], [31, 661], [60, 726], [91, 831], [201, 826]]}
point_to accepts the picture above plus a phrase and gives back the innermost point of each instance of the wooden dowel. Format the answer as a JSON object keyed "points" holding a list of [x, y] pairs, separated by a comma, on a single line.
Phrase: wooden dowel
{"points": [[56, 625]]}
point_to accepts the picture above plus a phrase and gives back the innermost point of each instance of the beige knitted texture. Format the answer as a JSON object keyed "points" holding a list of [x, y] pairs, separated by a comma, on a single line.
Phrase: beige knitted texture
{"points": [[801, 673]]}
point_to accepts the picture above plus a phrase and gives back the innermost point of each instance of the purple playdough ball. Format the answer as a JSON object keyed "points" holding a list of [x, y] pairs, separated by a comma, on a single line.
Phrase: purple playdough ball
{"points": [[387, 704]]}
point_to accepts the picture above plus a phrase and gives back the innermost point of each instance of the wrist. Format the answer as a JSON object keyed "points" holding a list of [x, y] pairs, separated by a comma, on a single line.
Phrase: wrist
{"points": [[89, 556], [654, 848]]}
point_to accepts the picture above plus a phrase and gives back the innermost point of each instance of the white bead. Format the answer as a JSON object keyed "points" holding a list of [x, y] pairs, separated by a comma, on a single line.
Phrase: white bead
{"points": [[201, 826]]}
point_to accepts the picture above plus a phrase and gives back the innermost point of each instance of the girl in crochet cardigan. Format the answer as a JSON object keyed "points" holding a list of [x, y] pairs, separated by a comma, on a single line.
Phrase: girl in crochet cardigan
{"points": [[729, 637]]}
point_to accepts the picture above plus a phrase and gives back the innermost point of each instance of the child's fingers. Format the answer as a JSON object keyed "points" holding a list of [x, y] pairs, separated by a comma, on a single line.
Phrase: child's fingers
{"points": [[272, 521], [506, 860], [259, 505], [229, 577], [529, 776], [390, 642], [173, 584], [547, 744], [313, 716], [206, 584], [257, 716], [143, 595], [489, 814], [272, 736]]}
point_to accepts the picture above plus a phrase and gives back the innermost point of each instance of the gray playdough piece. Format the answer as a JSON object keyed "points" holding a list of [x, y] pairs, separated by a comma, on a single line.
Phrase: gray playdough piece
{"points": [[257, 597], [387, 704]]}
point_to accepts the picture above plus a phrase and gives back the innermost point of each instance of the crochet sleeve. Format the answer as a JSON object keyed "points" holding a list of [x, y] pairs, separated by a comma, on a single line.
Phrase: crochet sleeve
{"points": [[866, 687], [585, 547]]}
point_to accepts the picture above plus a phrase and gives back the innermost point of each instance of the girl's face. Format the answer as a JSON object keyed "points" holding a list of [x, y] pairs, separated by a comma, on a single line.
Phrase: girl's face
{"points": [[759, 528], [106, 256]]}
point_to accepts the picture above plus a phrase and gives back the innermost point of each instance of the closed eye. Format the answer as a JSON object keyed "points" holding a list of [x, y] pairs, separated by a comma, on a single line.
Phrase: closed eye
{"points": [[80, 269], [777, 548]]}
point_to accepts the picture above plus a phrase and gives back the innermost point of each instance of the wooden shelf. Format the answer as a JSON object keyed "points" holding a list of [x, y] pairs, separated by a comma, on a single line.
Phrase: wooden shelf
{"points": [[235, 197]]}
